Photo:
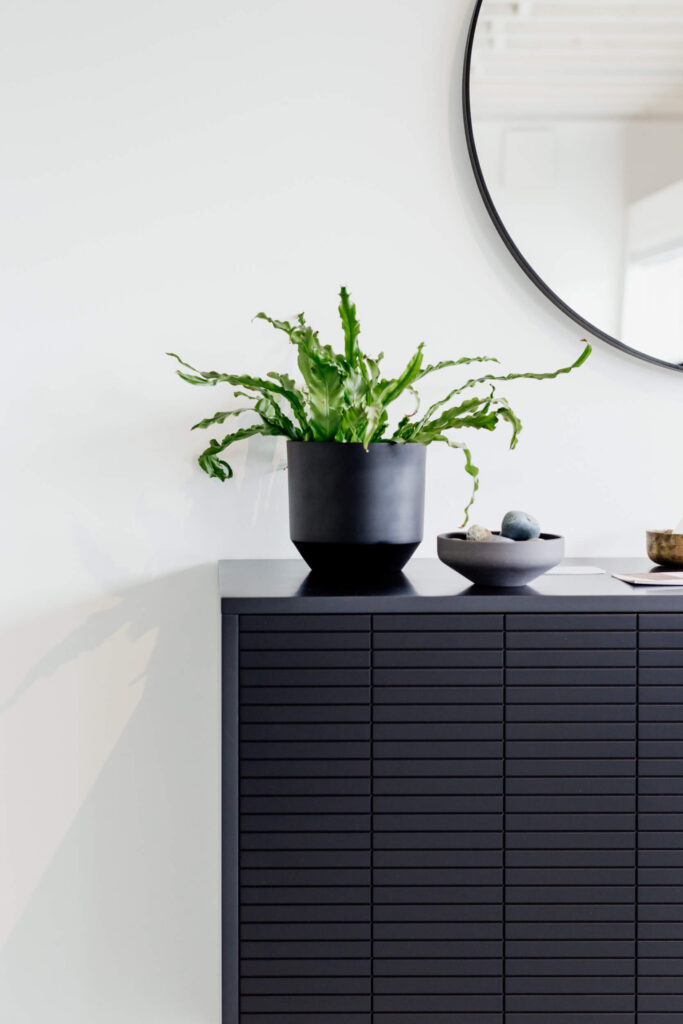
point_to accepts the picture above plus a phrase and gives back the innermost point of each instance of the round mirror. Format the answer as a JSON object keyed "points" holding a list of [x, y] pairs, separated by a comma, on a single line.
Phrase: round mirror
{"points": [[574, 120]]}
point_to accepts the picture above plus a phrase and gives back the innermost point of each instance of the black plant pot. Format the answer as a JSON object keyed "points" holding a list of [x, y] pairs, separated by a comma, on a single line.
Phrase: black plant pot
{"points": [[354, 512]]}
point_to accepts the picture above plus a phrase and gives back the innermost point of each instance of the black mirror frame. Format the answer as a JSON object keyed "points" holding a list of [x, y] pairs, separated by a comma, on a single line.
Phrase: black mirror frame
{"points": [[502, 230]]}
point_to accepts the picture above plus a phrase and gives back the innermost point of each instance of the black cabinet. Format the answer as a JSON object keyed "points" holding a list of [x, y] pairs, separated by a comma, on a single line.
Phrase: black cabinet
{"points": [[660, 819], [570, 821], [457, 809], [305, 851], [437, 818]]}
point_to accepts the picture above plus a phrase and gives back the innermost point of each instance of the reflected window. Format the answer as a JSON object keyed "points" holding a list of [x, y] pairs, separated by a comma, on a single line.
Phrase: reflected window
{"points": [[653, 304]]}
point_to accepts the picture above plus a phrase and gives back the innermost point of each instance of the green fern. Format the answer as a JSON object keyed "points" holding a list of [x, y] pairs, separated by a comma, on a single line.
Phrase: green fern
{"points": [[342, 397]]}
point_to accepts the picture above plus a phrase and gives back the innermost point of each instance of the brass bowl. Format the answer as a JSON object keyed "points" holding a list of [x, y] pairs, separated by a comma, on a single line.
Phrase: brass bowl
{"points": [[665, 547]]}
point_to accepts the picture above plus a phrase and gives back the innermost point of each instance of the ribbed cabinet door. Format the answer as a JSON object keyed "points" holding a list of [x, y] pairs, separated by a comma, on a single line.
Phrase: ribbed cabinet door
{"points": [[570, 819], [304, 812], [660, 819], [437, 819]]}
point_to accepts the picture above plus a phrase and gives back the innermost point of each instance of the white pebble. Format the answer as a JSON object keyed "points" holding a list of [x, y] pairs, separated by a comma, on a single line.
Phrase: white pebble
{"points": [[476, 532]]}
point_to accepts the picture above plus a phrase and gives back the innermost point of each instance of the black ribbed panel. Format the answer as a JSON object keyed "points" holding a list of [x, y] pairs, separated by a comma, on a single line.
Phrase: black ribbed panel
{"points": [[461, 818], [660, 820], [438, 819], [305, 819], [570, 919]]}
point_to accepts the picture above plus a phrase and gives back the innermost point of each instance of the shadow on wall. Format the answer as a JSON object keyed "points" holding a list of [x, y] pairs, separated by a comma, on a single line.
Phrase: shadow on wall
{"points": [[109, 784]]}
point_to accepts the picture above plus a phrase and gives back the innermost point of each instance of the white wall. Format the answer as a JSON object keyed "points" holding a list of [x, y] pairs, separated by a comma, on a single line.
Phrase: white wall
{"points": [[168, 170]]}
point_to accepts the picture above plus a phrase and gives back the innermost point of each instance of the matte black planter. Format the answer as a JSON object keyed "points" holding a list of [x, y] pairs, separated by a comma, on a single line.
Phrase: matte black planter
{"points": [[354, 512]]}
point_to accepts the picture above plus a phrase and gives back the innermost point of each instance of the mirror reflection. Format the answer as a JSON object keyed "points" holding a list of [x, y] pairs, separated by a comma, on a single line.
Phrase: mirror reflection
{"points": [[577, 119]]}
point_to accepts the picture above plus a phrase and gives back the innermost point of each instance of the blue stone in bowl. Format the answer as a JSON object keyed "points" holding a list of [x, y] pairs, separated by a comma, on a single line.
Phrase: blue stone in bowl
{"points": [[520, 526]]}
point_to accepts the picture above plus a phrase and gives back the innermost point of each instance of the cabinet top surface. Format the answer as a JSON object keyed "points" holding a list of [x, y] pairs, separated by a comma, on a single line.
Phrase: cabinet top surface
{"points": [[286, 585]]}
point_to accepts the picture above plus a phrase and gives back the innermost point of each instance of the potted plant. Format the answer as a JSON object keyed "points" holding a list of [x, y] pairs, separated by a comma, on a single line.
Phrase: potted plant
{"points": [[356, 480]]}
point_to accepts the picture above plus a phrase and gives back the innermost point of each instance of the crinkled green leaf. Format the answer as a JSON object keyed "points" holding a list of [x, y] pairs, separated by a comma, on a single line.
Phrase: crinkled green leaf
{"points": [[502, 379], [281, 325], [260, 385], [466, 360], [355, 389], [470, 468], [325, 388], [504, 411], [389, 390], [304, 336], [347, 312], [201, 380], [273, 416], [519, 376], [432, 424], [352, 427], [220, 469], [477, 413], [376, 418], [297, 400], [220, 417], [370, 371]]}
